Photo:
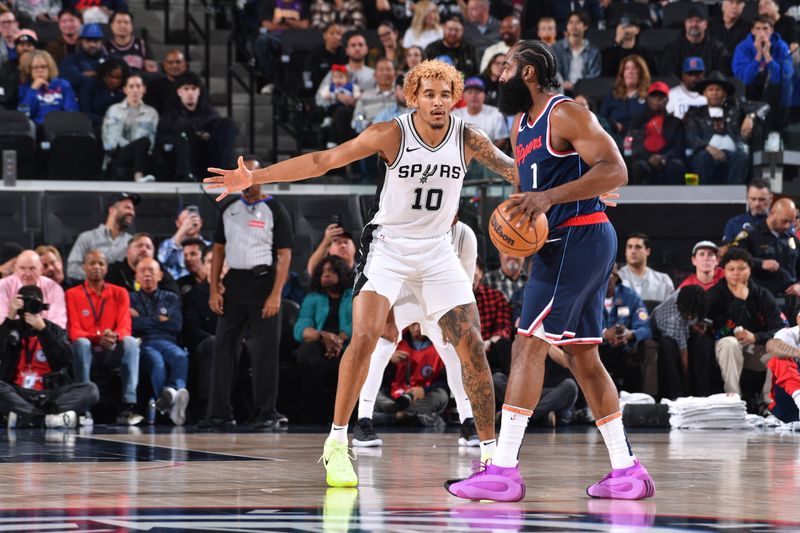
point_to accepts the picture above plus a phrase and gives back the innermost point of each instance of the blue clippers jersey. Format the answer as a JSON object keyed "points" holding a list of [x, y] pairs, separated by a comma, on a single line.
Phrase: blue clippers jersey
{"points": [[541, 167]]}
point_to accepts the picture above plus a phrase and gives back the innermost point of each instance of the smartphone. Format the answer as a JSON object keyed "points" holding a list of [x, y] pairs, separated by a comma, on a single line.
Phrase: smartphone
{"points": [[336, 219], [193, 209]]}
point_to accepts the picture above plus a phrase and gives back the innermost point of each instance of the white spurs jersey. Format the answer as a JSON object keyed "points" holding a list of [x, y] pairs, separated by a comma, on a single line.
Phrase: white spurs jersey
{"points": [[419, 195]]}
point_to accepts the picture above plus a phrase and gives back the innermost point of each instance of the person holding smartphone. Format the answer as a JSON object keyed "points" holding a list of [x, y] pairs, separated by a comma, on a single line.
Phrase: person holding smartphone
{"points": [[335, 241], [188, 225]]}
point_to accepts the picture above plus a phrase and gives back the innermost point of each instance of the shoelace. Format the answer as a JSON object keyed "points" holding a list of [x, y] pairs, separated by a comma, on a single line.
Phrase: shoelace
{"points": [[478, 467], [338, 448]]}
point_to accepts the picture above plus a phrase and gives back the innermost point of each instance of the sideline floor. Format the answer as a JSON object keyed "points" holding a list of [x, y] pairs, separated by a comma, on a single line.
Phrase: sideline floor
{"points": [[113, 480]]}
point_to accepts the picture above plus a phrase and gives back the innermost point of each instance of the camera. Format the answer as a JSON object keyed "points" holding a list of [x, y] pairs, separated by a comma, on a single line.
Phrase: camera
{"points": [[32, 304], [193, 209], [336, 219]]}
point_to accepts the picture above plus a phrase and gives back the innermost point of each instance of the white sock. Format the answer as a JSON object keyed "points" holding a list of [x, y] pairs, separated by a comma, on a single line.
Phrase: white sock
{"points": [[796, 398], [512, 431], [452, 365], [339, 433], [488, 449], [619, 449], [377, 364]]}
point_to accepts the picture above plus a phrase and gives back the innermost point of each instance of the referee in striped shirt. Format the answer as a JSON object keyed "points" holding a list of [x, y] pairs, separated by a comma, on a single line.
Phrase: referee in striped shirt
{"points": [[254, 235]]}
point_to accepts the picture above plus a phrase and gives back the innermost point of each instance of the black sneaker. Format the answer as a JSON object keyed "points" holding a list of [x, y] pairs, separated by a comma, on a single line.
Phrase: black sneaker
{"points": [[269, 421], [469, 435], [215, 423], [128, 417], [364, 436]]}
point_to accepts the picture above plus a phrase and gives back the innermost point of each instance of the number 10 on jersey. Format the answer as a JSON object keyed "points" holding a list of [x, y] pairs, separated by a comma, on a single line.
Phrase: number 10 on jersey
{"points": [[433, 199]]}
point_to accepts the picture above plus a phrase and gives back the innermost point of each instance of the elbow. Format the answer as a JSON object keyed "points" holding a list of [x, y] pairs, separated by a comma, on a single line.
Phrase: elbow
{"points": [[620, 176]]}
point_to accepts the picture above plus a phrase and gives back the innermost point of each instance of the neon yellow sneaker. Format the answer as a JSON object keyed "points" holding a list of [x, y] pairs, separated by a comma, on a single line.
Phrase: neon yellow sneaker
{"points": [[336, 458]]}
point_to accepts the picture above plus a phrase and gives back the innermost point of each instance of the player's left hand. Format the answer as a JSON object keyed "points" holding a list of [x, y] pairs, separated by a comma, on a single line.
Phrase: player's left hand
{"points": [[532, 204], [235, 180], [609, 197]]}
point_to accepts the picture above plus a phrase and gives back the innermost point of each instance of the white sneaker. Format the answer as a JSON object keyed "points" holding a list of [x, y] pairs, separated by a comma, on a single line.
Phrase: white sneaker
{"points": [[268, 88], [86, 420], [166, 400], [146, 179], [67, 419], [178, 411], [773, 142], [327, 122]]}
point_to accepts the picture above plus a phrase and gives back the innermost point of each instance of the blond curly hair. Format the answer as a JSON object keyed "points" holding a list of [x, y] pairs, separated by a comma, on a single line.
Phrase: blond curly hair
{"points": [[436, 70]]}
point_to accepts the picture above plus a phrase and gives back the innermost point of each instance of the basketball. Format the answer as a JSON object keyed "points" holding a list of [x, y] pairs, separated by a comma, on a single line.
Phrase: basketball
{"points": [[509, 239]]}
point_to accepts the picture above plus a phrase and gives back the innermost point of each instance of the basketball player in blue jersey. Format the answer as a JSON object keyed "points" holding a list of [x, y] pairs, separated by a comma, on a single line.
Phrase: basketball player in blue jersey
{"points": [[565, 162], [407, 241]]}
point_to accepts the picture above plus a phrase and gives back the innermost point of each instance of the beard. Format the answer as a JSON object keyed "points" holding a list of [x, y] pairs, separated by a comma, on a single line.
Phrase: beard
{"points": [[515, 97]]}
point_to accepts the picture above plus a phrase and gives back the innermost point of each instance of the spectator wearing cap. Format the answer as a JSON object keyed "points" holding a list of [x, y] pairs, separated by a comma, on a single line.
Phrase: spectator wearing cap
{"points": [[658, 143], [717, 132], [129, 134], [110, 238], [202, 138], [650, 284], [335, 241], [38, 10], [124, 44], [8, 30], [28, 271], [729, 26], [487, 118], [685, 95], [453, 44], [480, 28], [123, 273], [759, 200], [10, 73], [626, 42], [41, 90], [189, 225], [8, 257], [577, 58], [510, 33], [53, 266], [696, 41], [762, 62], [705, 260], [100, 332], [399, 107], [82, 65], [69, 25]]}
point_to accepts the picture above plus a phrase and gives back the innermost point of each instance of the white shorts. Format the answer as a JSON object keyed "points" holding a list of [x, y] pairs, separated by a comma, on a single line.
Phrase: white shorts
{"points": [[429, 268], [408, 310]]}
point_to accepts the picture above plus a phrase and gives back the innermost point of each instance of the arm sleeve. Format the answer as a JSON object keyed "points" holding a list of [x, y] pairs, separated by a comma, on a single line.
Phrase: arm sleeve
{"points": [[283, 236], [57, 314], [592, 69], [112, 131], [55, 345], [70, 101], [73, 319], [173, 305], [640, 323], [219, 233], [168, 252], [305, 317], [123, 322], [772, 315]]}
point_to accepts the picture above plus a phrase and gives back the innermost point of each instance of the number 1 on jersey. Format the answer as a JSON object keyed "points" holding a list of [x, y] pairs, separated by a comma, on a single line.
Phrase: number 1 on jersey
{"points": [[535, 173]]}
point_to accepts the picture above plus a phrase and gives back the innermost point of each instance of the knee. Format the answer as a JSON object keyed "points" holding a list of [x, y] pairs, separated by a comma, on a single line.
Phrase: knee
{"points": [[728, 347], [363, 342], [570, 388], [92, 393], [82, 346]]}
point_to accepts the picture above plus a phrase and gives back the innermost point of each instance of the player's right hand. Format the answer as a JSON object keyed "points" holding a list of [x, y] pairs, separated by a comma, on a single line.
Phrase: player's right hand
{"points": [[532, 204], [235, 180]]}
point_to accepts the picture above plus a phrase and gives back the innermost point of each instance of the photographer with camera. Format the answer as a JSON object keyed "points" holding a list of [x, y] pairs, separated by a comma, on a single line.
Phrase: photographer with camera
{"points": [[35, 356], [189, 223], [627, 351], [28, 271]]}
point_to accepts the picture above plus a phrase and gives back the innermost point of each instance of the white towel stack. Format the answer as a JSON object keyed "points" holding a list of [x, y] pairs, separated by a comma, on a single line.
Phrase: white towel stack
{"points": [[719, 411]]}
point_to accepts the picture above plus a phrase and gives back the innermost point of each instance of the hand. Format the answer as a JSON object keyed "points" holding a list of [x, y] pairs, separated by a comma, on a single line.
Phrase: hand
{"points": [[163, 318], [35, 321], [610, 335], [39, 83], [333, 230], [747, 127], [699, 328], [770, 265], [215, 301], [717, 154], [398, 356], [794, 289], [272, 306], [14, 306], [532, 204], [108, 340], [609, 197], [417, 393], [656, 160], [190, 222], [332, 342], [231, 180], [390, 332], [745, 337], [739, 290], [346, 99], [134, 313]]}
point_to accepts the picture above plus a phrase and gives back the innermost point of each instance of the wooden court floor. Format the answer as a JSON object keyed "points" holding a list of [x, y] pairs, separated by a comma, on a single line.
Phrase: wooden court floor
{"points": [[167, 480]]}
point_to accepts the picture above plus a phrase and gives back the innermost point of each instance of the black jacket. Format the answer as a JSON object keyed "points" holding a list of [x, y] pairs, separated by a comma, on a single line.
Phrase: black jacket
{"points": [[700, 127], [758, 314], [55, 345], [121, 273], [673, 134], [9, 84], [729, 37], [465, 58], [763, 244], [714, 54], [612, 57], [199, 321]]}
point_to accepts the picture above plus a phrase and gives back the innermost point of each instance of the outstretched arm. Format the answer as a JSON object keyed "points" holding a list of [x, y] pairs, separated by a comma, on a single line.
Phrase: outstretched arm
{"points": [[480, 146], [382, 138]]}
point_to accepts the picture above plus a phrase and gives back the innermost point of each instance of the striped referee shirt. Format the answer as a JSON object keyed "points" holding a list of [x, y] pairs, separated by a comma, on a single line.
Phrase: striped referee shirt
{"points": [[251, 232]]}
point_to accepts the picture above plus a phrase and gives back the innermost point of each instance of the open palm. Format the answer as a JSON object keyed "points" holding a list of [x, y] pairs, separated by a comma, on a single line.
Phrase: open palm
{"points": [[234, 180]]}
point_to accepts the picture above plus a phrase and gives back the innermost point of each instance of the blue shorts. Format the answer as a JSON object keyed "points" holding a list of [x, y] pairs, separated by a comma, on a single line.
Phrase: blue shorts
{"points": [[563, 300]]}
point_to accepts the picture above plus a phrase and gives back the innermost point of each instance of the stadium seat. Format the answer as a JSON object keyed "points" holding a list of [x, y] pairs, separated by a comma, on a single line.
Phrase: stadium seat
{"points": [[72, 149], [19, 133], [156, 216], [594, 88], [675, 13], [313, 214], [655, 40], [13, 220], [617, 10], [601, 39], [66, 215]]}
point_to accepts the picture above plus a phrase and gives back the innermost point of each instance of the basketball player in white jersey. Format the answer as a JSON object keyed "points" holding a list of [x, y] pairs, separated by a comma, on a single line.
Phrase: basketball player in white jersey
{"points": [[406, 311], [426, 153]]}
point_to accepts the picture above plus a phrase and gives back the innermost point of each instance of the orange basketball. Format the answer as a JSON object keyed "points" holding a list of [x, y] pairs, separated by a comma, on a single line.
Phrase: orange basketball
{"points": [[518, 242]]}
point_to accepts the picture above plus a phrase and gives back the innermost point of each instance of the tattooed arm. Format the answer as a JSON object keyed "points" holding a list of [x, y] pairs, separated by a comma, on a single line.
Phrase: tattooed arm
{"points": [[778, 348], [480, 147]]}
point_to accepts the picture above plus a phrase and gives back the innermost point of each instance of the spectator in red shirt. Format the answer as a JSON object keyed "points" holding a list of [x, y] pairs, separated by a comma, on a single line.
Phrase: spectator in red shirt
{"points": [[495, 314], [704, 260], [100, 331], [658, 142]]}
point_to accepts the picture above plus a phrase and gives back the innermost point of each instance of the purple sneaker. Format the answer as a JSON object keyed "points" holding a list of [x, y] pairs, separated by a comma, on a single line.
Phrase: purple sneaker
{"points": [[632, 483], [489, 482]]}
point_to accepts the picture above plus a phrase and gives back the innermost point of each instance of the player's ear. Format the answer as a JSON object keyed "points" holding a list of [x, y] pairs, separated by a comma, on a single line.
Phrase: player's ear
{"points": [[528, 73]]}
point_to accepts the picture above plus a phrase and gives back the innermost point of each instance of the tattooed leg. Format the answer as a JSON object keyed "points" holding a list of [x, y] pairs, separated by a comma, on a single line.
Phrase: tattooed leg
{"points": [[461, 326]]}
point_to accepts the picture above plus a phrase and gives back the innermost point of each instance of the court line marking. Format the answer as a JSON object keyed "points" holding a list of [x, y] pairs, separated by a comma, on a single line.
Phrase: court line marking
{"points": [[94, 437]]}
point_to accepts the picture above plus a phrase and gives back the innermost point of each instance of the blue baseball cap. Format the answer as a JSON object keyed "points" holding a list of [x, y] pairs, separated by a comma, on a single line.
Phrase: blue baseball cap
{"points": [[91, 31], [446, 59], [694, 64], [474, 82]]}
